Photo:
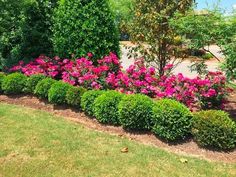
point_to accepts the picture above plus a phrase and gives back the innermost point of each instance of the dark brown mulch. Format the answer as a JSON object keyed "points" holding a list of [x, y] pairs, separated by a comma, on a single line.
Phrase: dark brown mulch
{"points": [[188, 148], [231, 105]]}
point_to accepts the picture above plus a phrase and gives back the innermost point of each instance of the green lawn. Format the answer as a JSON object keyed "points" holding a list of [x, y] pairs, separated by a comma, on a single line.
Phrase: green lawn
{"points": [[35, 143]]}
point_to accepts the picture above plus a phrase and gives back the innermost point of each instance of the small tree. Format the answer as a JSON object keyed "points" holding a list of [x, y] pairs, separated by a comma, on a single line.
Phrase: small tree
{"points": [[200, 30], [82, 26], [152, 34]]}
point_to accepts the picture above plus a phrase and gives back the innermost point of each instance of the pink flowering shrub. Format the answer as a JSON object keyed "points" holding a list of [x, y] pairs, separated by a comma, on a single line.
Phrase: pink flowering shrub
{"points": [[52, 67], [136, 79], [208, 92], [84, 73]]}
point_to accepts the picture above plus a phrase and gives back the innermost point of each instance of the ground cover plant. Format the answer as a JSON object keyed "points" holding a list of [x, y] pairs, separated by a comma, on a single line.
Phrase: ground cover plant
{"points": [[57, 145]]}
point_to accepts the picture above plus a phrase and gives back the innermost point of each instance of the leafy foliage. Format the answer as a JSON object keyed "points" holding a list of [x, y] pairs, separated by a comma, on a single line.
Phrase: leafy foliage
{"points": [[123, 12], [26, 30], [11, 14], [88, 99], [206, 28], [171, 120], [84, 26], [57, 93], [106, 108], [36, 29], [73, 96], [14, 83], [2, 75], [32, 81], [152, 33], [135, 112], [214, 129], [43, 87]]}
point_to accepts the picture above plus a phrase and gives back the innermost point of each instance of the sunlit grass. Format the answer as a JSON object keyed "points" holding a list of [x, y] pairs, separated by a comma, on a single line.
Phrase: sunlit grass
{"points": [[35, 143]]}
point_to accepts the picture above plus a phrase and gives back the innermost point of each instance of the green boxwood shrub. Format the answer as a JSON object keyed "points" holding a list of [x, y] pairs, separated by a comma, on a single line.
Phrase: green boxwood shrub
{"points": [[214, 129], [135, 112], [171, 120], [43, 86], [57, 93], [87, 101], [84, 26], [106, 107], [14, 83], [32, 81], [2, 75], [74, 94]]}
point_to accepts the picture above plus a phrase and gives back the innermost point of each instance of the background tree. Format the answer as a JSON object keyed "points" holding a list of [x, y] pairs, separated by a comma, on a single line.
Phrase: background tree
{"points": [[200, 30], [11, 12], [82, 26], [25, 30], [36, 29], [123, 11], [155, 39]]}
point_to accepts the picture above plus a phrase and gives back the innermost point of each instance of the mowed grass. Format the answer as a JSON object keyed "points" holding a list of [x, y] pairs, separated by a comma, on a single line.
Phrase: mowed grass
{"points": [[37, 144]]}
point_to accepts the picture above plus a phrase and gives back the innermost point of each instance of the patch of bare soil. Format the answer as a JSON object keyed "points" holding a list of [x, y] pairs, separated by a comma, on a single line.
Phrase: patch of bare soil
{"points": [[188, 148]]}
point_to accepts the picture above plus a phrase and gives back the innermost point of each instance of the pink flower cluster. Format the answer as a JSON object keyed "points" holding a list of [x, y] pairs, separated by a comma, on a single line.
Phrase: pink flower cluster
{"points": [[84, 73], [52, 67], [136, 79], [207, 92]]}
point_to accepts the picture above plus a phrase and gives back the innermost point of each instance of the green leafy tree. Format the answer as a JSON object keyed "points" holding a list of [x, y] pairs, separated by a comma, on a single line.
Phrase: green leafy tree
{"points": [[25, 30], [228, 44], [11, 13], [123, 11], [36, 29], [155, 39], [82, 26], [202, 29]]}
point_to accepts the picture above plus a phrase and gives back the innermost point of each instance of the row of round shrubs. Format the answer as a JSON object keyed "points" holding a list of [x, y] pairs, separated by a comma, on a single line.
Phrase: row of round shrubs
{"points": [[166, 118], [57, 92]]}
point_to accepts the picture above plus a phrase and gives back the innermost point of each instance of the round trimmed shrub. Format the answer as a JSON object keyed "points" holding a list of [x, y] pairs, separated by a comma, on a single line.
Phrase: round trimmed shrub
{"points": [[106, 107], [74, 94], [171, 120], [57, 93], [43, 86], [87, 101], [2, 75], [32, 81], [214, 129], [135, 112], [14, 83], [84, 26]]}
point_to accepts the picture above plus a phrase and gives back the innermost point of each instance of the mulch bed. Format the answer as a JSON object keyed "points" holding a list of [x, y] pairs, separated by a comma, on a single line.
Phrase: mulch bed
{"points": [[231, 105], [188, 148]]}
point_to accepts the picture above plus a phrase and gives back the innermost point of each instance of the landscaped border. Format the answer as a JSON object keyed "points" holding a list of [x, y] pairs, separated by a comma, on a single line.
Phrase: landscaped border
{"points": [[188, 148]]}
